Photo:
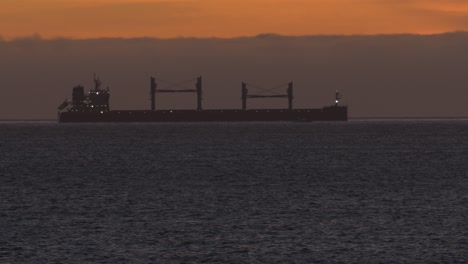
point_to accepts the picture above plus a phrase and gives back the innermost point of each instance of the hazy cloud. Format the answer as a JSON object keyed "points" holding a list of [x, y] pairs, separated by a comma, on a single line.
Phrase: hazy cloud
{"points": [[393, 75]]}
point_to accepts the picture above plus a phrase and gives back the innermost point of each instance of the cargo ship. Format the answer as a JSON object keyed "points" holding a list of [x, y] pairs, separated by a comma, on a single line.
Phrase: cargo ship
{"points": [[94, 107]]}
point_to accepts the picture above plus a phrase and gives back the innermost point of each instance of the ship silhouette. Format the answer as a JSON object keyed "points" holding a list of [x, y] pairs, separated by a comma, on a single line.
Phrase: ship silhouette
{"points": [[94, 107]]}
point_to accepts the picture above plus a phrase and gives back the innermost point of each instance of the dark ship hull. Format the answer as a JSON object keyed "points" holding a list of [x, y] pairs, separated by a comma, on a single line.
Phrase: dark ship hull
{"points": [[333, 113]]}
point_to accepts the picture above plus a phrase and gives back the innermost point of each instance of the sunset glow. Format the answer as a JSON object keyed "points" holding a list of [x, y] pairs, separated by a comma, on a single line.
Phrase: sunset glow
{"points": [[227, 18]]}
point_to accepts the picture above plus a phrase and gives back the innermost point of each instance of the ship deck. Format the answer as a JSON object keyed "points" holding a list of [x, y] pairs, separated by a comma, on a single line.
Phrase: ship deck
{"points": [[333, 113]]}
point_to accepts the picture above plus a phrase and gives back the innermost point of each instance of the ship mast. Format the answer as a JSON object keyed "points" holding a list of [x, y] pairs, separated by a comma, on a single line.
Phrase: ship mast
{"points": [[97, 83], [337, 98]]}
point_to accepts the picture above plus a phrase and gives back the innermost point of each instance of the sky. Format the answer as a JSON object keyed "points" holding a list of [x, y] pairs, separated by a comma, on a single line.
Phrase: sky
{"points": [[378, 76], [227, 18], [389, 58]]}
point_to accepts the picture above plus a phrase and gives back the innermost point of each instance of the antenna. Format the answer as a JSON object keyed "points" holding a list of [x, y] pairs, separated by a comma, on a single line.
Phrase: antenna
{"points": [[97, 82], [337, 98]]}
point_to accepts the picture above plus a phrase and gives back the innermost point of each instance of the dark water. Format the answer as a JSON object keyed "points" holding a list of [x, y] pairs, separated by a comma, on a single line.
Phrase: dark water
{"points": [[356, 192]]}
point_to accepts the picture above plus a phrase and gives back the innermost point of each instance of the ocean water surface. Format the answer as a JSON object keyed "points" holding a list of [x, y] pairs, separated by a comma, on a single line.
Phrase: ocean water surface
{"points": [[341, 192]]}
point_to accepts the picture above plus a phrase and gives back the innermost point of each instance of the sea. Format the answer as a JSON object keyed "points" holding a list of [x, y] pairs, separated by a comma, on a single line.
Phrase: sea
{"points": [[363, 191]]}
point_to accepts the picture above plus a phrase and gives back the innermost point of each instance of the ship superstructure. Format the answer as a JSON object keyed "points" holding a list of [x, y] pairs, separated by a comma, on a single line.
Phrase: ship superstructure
{"points": [[96, 101]]}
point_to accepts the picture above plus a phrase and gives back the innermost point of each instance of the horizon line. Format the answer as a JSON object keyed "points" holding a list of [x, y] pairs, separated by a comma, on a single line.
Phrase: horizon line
{"points": [[259, 36], [355, 118]]}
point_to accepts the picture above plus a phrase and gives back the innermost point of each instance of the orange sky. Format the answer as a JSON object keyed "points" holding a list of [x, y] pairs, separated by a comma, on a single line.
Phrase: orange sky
{"points": [[227, 18]]}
